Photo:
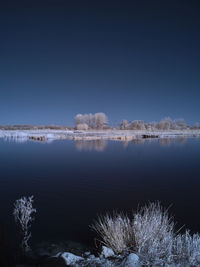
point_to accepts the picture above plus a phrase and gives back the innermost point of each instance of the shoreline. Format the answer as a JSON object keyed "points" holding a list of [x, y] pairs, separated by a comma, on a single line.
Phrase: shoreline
{"points": [[146, 238], [120, 135]]}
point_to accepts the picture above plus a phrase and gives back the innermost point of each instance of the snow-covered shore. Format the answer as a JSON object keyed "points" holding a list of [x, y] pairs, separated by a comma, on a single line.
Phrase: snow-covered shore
{"points": [[123, 135]]}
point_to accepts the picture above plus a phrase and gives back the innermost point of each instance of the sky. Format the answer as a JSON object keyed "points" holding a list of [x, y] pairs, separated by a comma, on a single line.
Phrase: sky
{"points": [[129, 59]]}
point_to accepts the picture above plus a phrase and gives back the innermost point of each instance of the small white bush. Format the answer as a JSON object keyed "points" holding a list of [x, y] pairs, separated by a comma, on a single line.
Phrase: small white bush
{"points": [[82, 126], [23, 210]]}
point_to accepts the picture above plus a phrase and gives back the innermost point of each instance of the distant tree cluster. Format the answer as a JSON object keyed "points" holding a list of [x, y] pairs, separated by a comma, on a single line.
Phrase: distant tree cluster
{"points": [[195, 127], [90, 121], [164, 124]]}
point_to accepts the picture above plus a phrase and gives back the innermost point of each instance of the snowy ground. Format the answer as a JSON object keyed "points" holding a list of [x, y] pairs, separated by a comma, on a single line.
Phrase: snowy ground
{"points": [[124, 135]]}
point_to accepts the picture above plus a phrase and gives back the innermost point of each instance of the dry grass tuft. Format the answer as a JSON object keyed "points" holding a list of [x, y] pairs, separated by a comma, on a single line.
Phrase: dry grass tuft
{"points": [[115, 231]]}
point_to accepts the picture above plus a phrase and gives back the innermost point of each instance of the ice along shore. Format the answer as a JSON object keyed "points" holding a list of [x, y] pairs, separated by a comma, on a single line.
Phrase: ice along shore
{"points": [[123, 135]]}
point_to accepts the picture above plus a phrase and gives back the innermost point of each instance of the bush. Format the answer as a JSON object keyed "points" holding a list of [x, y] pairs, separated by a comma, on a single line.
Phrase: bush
{"points": [[154, 232], [186, 249], [82, 126], [115, 231], [150, 234]]}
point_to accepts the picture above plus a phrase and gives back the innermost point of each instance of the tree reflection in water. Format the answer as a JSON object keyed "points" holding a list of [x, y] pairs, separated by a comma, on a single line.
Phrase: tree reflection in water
{"points": [[96, 145]]}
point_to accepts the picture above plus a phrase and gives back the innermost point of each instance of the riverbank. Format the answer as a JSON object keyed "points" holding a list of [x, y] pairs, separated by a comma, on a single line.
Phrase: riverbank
{"points": [[121, 135], [146, 238]]}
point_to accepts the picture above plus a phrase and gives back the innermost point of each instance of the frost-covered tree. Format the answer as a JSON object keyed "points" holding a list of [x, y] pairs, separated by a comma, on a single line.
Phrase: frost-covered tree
{"points": [[163, 125], [137, 125], [78, 119], [90, 120], [23, 214], [100, 120], [150, 126], [97, 121], [180, 124], [85, 118], [124, 125]]}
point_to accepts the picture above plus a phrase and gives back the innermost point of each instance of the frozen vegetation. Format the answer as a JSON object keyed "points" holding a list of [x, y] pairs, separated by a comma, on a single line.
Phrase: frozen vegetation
{"points": [[147, 238], [104, 134], [23, 214], [151, 235]]}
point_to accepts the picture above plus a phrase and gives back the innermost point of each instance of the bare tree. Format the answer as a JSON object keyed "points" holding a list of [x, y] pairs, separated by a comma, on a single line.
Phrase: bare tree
{"points": [[150, 126], [165, 124], [90, 120], [100, 119], [124, 125], [85, 118], [23, 210], [78, 119], [180, 124], [137, 125]]}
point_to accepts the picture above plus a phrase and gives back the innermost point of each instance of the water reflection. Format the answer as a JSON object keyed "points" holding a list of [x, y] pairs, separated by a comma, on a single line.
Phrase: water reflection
{"points": [[100, 144], [138, 141], [124, 143], [161, 141], [96, 145], [164, 141], [26, 140], [168, 141]]}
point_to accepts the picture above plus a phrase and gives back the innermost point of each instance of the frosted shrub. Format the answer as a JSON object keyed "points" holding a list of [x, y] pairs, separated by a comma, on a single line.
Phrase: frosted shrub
{"points": [[149, 234], [23, 210], [154, 232], [115, 232], [186, 249]]}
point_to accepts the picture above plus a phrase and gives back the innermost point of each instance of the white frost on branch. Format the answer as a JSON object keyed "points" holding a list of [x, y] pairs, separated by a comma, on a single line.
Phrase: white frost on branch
{"points": [[23, 210]]}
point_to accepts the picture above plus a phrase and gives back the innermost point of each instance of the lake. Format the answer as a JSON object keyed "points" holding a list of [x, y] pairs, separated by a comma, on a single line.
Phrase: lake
{"points": [[72, 182]]}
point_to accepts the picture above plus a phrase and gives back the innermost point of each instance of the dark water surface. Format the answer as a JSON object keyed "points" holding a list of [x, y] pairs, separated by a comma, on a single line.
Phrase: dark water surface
{"points": [[73, 182]]}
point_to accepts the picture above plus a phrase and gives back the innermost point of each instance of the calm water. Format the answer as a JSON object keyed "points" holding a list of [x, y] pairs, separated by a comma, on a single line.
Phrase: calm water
{"points": [[73, 182]]}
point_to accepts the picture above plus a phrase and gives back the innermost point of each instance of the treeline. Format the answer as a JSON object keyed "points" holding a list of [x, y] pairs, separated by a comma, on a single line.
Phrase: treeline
{"points": [[100, 121], [34, 127], [90, 121], [164, 124]]}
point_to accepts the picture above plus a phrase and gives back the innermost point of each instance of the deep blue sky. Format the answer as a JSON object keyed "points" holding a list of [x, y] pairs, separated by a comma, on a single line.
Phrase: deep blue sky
{"points": [[129, 59]]}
